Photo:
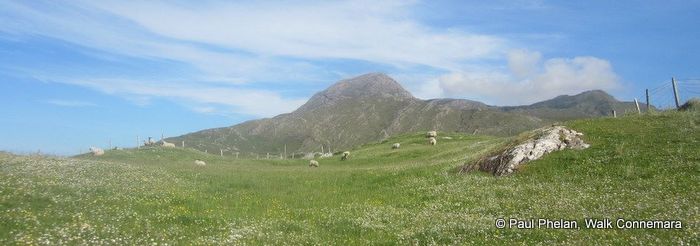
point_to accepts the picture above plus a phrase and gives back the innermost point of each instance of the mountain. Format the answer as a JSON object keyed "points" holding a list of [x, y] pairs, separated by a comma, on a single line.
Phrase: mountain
{"points": [[373, 106], [593, 103]]}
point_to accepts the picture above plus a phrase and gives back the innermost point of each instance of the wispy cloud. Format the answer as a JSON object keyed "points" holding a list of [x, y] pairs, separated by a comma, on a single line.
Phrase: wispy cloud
{"points": [[233, 47], [70, 103], [207, 99]]}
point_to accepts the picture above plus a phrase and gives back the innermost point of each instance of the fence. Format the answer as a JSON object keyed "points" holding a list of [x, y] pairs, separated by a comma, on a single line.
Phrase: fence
{"points": [[672, 93]]}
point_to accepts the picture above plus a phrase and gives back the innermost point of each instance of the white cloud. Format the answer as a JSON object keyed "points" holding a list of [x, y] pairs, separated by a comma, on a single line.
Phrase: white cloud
{"points": [[523, 63], [70, 103], [199, 99], [530, 80], [364, 30], [237, 40], [244, 43]]}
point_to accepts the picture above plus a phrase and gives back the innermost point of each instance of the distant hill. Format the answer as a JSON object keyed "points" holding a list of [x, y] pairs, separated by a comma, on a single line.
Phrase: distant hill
{"points": [[373, 107]]}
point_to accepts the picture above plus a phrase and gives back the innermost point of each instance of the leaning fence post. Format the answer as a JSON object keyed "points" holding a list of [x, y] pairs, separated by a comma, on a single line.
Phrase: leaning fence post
{"points": [[675, 92], [637, 103]]}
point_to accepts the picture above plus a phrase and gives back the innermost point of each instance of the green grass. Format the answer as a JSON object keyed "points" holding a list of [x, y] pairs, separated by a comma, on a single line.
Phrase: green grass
{"points": [[639, 167]]}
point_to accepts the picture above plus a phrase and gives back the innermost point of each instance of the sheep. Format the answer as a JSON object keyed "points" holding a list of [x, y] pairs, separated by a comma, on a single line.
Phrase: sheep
{"points": [[431, 134], [199, 163], [396, 146], [432, 141], [166, 144], [313, 163], [97, 151], [345, 156]]}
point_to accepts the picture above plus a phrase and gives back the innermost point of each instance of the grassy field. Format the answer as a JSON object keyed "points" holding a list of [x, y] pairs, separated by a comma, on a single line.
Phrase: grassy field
{"points": [[639, 167]]}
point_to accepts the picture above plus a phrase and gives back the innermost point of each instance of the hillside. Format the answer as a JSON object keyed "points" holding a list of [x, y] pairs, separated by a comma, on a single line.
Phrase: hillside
{"points": [[638, 167], [373, 107]]}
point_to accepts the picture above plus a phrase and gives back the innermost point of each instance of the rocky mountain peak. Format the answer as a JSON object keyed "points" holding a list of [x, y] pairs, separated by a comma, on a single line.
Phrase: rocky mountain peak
{"points": [[367, 86]]}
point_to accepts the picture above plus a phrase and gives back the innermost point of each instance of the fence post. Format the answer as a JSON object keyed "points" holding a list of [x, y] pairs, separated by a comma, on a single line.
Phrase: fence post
{"points": [[675, 92], [648, 107], [221, 152], [614, 114], [637, 103]]}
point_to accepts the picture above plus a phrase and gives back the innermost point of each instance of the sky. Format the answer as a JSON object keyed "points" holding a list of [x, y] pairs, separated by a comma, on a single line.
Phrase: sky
{"points": [[75, 74]]}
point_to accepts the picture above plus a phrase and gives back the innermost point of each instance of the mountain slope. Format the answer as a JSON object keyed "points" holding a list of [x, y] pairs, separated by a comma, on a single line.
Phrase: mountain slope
{"points": [[374, 106]]}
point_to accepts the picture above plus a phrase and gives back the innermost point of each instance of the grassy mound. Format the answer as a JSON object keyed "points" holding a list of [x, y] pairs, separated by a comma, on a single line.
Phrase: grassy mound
{"points": [[639, 167], [691, 105]]}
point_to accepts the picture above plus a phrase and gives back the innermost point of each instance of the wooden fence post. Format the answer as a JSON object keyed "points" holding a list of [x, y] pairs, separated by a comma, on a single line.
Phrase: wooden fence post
{"points": [[675, 92], [637, 103], [648, 107]]}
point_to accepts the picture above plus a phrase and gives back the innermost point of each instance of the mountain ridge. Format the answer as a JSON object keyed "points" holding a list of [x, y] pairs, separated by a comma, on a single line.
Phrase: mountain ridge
{"points": [[374, 106]]}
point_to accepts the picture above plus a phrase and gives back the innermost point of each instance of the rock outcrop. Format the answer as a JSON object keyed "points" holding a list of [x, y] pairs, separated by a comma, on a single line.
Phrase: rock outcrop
{"points": [[545, 140]]}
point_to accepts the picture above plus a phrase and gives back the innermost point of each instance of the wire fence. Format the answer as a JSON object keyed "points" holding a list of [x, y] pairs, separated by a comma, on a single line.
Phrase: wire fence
{"points": [[662, 96]]}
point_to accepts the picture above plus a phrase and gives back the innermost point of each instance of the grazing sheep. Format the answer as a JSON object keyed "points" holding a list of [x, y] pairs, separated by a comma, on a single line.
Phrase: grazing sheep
{"points": [[345, 156], [97, 151], [199, 163], [166, 144], [431, 134], [396, 146], [432, 141], [313, 163]]}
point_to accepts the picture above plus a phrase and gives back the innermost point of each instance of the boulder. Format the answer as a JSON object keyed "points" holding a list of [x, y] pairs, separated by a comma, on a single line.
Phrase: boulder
{"points": [[545, 140]]}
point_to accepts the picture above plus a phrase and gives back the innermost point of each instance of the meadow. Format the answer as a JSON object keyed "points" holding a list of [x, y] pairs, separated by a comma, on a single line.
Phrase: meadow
{"points": [[639, 167]]}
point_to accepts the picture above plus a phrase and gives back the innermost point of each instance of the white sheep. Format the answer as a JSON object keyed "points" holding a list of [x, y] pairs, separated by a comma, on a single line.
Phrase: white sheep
{"points": [[313, 163], [345, 156], [432, 141], [97, 151], [431, 134], [396, 146], [200, 163], [166, 144]]}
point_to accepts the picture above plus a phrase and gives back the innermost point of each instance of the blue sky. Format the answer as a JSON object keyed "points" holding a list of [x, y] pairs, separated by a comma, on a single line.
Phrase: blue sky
{"points": [[75, 74]]}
